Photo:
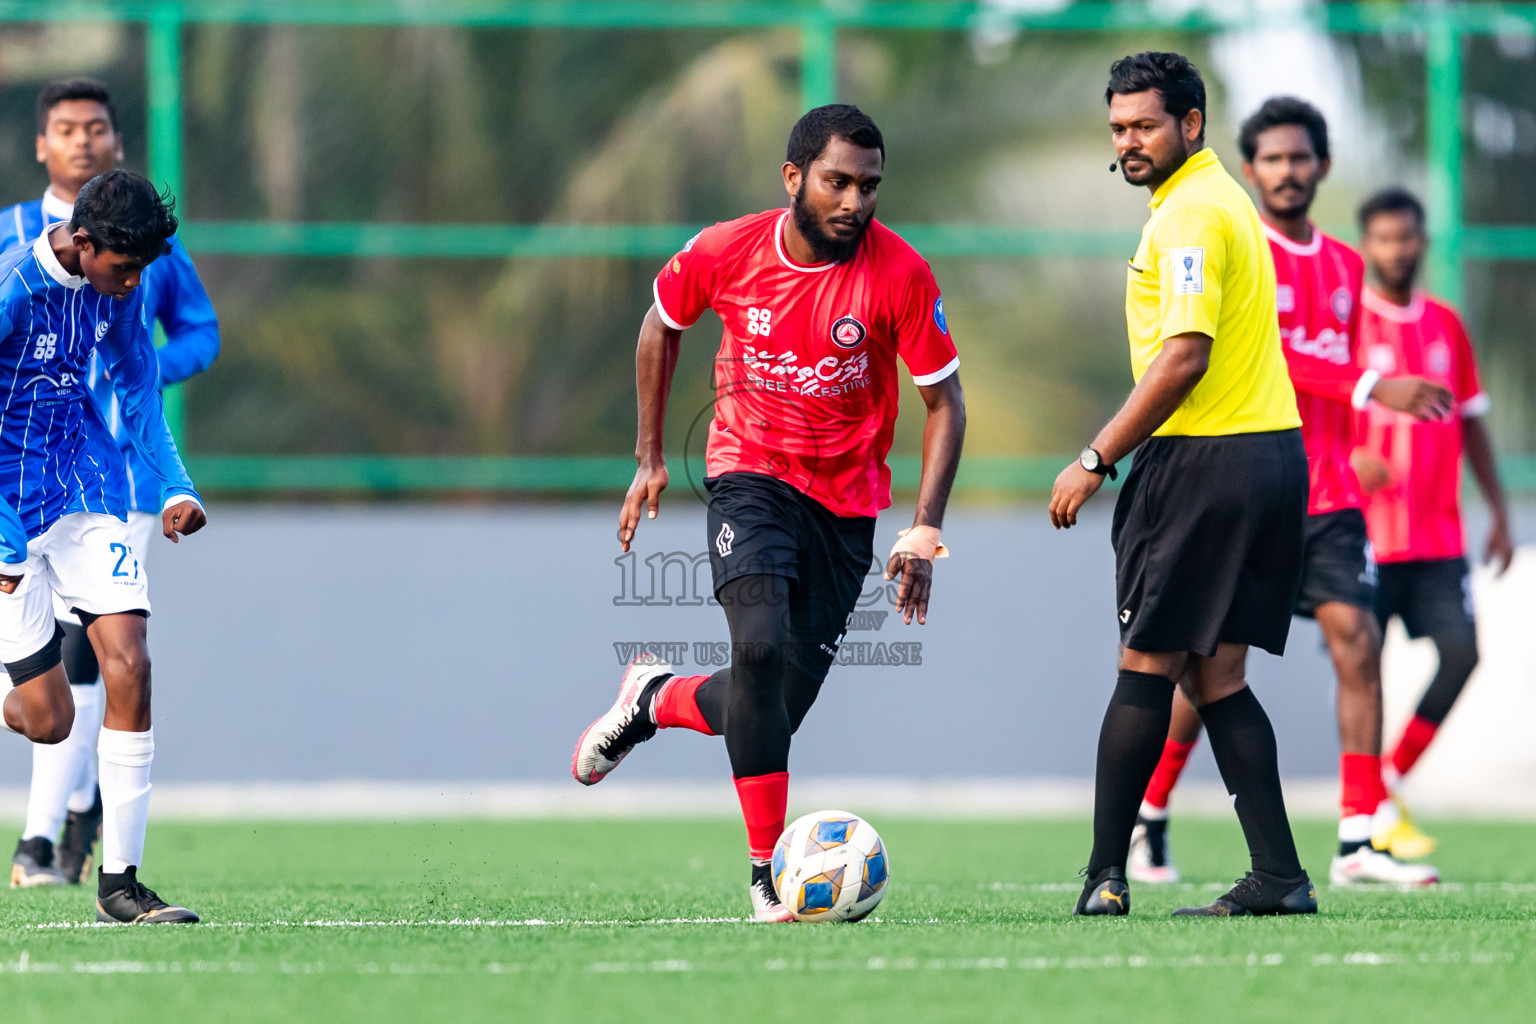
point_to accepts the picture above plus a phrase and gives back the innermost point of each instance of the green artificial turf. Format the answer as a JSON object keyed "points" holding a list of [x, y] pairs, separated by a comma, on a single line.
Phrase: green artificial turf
{"points": [[442, 923]]}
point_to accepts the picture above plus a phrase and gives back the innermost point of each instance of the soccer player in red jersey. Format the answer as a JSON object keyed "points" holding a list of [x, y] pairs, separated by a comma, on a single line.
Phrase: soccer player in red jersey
{"points": [[1411, 469], [818, 300], [1318, 284]]}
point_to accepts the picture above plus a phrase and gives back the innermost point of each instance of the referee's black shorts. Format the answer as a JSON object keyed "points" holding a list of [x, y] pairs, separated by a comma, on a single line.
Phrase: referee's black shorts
{"points": [[1208, 538]]}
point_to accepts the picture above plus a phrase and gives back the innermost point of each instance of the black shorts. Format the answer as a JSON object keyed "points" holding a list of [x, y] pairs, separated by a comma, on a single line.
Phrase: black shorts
{"points": [[1208, 538], [1336, 564], [1433, 597], [761, 526]]}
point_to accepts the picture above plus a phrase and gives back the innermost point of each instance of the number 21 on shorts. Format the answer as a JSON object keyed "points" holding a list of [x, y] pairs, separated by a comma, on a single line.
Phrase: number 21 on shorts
{"points": [[124, 557]]}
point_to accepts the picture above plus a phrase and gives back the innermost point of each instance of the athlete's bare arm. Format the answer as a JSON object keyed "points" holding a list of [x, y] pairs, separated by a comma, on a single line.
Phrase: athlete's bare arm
{"points": [[1162, 389], [1500, 548], [1419, 397], [184, 517], [655, 362], [943, 437]]}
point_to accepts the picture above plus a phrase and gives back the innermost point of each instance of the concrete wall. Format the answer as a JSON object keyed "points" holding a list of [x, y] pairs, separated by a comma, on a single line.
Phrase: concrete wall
{"points": [[423, 642]]}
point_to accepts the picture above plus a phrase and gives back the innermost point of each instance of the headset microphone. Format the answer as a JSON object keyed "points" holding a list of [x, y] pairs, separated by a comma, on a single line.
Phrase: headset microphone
{"points": [[1113, 167]]}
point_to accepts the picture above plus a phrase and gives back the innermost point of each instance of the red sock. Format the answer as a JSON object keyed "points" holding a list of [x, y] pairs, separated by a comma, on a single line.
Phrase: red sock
{"points": [[1416, 736], [1363, 790], [1169, 767], [677, 705], [763, 799]]}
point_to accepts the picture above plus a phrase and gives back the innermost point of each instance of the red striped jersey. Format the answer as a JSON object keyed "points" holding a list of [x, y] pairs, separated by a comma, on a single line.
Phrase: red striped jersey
{"points": [[1418, 515], [806, 378], [1317, 295]]}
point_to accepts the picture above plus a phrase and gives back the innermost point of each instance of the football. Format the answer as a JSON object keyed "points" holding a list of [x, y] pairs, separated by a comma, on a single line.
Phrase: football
{"points": [[830, 866]]}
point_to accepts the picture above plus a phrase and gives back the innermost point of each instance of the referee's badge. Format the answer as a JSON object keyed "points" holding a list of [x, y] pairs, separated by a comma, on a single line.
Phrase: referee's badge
{"points": [[1188, 270]]}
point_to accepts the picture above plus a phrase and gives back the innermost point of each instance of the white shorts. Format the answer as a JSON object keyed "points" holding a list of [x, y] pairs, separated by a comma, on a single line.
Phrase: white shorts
{"points": [[143, 528], [89, 562]]}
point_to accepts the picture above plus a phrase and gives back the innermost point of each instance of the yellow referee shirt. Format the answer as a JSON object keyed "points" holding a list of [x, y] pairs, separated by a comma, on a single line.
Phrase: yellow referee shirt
{"points": [[1204, 266]]}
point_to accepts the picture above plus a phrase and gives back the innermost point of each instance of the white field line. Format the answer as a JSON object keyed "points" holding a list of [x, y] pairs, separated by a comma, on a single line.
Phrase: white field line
{"points": [[25, 964], [470, 923], [941, 799]]}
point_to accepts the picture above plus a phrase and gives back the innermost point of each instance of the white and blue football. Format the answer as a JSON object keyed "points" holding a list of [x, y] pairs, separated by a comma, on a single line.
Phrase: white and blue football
{"points": [[830, 866]]}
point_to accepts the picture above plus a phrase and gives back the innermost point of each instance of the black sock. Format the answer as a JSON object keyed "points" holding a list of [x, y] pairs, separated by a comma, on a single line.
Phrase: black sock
{"points": [[1243, 742], [1457, 660], [1347, 847], [1130, 742], [711, 697]]}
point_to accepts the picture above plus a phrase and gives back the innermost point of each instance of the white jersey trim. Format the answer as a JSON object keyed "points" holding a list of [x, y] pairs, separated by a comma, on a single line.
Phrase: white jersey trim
{"points": [[1388, 310], [937, 375], [1363, 387], [661, 310], [51, 265], [178, 498], [56, 210], [778, 247], [1312, 248], [1476, 406]]}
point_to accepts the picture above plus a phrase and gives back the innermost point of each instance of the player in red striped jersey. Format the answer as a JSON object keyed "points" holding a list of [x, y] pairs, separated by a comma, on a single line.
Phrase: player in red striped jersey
{"points": [[819, 302], [1318, 284], [1411, 470]]}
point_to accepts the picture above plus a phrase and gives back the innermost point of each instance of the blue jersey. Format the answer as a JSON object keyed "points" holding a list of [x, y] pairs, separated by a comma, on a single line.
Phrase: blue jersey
{"points": [[57, 455], [173, 295]]}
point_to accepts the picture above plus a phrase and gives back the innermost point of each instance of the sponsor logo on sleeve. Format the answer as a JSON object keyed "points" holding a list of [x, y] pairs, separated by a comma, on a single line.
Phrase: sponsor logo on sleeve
{"points": [[689, 244], [848, 332], [938, 315], [1188, 270]]}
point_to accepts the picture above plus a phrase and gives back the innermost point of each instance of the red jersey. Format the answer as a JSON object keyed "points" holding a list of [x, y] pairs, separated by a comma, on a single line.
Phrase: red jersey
{"points": [[1418, 515], [1317, 294], [806, 380]]}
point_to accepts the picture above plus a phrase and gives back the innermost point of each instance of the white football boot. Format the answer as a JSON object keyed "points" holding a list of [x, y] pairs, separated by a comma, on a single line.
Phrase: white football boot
{"points": [[766, 908], [609, 740], [1151, 861], [1369, 865]]}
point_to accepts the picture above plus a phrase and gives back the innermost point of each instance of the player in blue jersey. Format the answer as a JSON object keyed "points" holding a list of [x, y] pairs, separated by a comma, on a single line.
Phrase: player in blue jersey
{"points": [[71, 294], [77, 139]]}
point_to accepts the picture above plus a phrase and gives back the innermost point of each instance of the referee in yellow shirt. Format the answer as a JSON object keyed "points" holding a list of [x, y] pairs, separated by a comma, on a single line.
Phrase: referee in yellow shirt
{"points": [[1208, 526]]}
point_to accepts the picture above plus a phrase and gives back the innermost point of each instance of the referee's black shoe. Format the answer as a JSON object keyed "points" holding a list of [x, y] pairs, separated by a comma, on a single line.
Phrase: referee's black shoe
{"points": [[1106, 894], [1260, 894], [125, 900]]}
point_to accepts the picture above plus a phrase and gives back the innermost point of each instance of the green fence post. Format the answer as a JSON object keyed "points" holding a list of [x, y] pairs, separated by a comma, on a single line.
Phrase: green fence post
{"points": [[818, 61], [162, 46], [1443, 131]]}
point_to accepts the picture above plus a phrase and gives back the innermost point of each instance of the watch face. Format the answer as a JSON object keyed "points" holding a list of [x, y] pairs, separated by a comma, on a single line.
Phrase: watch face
{"points": [[1089, 459]]}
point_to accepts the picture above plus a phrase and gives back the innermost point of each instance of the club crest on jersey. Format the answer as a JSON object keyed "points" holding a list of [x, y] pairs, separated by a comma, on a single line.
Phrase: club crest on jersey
{"points": [[101, 329], [1438, 357], [848, 332], [1343, 304], [1285, 299]]}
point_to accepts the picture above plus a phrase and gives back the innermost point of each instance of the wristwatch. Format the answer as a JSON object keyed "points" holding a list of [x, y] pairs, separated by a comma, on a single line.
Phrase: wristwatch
{"points": [[1093, 462]]}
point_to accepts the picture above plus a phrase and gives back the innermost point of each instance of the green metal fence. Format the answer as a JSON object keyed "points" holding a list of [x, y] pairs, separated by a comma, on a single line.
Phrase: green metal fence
{"points": [[1445, 27]]}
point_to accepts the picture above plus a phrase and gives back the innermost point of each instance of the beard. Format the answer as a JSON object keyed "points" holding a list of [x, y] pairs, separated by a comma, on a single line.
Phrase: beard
{"points": [[1156, 172], [826, 248]]}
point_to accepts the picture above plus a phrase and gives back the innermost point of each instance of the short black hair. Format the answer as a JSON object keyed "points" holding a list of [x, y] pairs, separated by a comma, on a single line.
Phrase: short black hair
{"points": [[809, 137], [1391, 200], [1284, 110], [73, 89], [1171, 74], [121, 212]]}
